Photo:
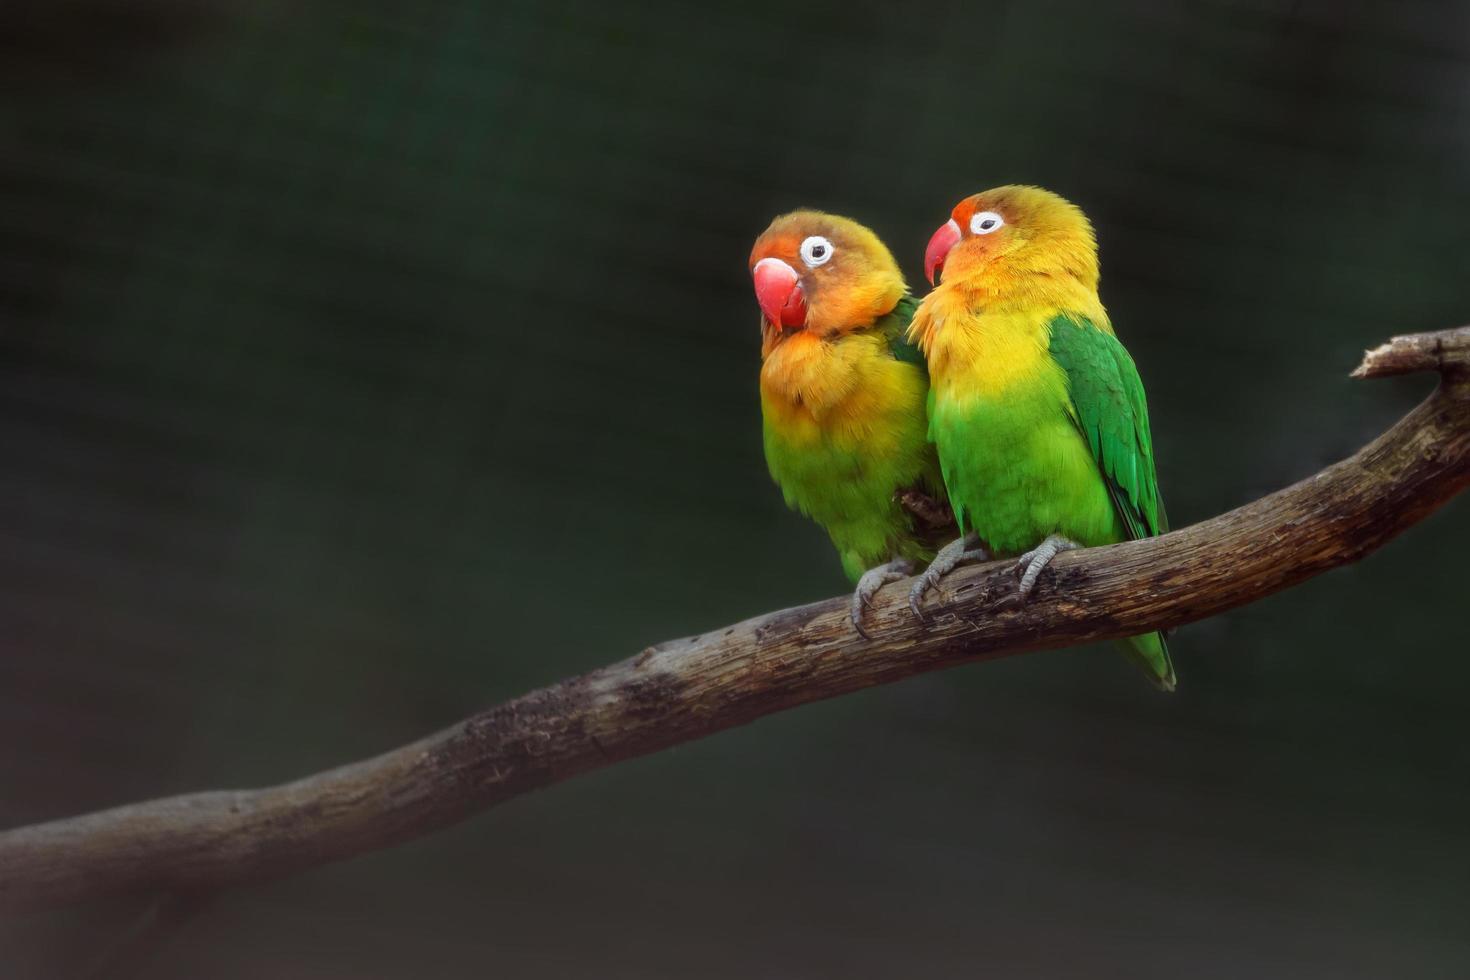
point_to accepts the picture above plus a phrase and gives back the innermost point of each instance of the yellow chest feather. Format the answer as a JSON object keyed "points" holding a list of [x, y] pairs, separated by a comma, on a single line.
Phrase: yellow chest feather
{"points": [[815, 390], [979, 347]]}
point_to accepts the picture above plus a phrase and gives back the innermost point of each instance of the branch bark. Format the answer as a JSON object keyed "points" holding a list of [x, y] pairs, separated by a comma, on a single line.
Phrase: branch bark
{"points": [[685, 689]]}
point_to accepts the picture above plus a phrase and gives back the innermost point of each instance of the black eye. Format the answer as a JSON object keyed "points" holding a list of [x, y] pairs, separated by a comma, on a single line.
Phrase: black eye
{"points": [[818, 251], [987, 224]]}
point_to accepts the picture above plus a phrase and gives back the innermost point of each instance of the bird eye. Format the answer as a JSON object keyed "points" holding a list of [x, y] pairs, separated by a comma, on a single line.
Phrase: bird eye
{"points": [[816, 251], [984, 222]]}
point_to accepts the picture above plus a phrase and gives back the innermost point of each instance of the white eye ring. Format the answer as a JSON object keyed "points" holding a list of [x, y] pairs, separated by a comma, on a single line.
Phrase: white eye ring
{"points": [[816, 251], [984, 222]]}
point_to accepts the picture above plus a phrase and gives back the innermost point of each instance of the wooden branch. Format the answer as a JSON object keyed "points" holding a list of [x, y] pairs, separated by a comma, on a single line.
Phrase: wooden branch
{"points": [[685, 689], [1447, 352]]}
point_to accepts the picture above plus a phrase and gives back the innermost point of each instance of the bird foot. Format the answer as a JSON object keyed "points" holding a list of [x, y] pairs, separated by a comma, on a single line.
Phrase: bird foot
{"points": [[873, 580], [961, 551], [1029, 565]]}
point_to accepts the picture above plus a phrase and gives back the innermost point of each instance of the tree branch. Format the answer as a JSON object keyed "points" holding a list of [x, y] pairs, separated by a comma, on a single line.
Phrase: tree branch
{"points": [[685, 689], [1443, 351]]}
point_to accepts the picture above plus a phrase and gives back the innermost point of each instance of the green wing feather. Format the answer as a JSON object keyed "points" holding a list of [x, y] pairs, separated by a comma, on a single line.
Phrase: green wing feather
{"points": [[1109, 408], [895, 327]]}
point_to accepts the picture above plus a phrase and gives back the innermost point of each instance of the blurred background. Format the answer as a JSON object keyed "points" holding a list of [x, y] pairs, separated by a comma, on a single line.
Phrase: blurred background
{"points": [[340, 341]]}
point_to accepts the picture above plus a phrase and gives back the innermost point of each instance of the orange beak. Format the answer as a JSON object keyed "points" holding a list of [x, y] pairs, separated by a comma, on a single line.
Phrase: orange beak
{"points": [[946, 238], [778, 291]]}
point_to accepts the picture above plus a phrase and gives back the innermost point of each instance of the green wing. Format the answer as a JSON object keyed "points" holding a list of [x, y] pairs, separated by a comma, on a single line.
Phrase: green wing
{"points": [[1109, 408], [895, 327]]}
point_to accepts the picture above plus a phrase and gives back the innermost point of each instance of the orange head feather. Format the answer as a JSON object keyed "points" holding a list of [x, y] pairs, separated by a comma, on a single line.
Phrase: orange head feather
{"points": [[1010, 232], [822, 274]]}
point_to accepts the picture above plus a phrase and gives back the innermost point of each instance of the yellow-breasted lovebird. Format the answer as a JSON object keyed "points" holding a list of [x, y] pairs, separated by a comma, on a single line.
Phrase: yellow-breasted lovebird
{"points": [[843, 397], [1036, 408]]}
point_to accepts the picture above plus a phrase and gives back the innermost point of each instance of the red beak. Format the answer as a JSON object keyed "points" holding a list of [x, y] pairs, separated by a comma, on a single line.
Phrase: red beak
{"points": [[778, 291], [946, 238]]}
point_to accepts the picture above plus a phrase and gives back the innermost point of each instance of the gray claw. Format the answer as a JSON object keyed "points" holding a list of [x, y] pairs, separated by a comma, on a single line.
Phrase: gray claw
{"points": [[873, 580], [960, 551], [1029, 565]]}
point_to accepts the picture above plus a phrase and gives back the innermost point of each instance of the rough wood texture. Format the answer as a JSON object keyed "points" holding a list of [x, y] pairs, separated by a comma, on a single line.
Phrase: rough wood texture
{"points": [[685, 689]]}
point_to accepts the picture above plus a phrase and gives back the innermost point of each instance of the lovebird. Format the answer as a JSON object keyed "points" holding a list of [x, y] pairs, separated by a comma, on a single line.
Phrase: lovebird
{"points": [[843, 397], [1036, 409]]}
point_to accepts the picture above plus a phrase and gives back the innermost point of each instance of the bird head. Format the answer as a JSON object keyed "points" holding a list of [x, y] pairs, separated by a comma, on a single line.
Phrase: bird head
{"points": [[1015, 229], [821, 274]]}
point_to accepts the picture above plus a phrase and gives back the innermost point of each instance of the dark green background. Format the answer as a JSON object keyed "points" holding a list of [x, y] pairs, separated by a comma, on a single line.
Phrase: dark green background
{"points": [[367, 363]]}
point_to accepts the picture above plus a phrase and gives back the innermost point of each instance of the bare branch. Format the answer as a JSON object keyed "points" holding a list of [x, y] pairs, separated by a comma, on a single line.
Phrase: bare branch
{"points": [[1447, 351], [685, 689]]}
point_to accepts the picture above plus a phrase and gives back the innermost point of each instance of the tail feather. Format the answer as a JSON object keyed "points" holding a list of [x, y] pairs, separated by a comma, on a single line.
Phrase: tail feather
{"points": [[1151, 652]]}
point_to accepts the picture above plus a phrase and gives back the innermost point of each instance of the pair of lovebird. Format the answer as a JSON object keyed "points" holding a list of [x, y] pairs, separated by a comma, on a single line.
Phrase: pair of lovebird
{"points": [[1000, 408]]}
